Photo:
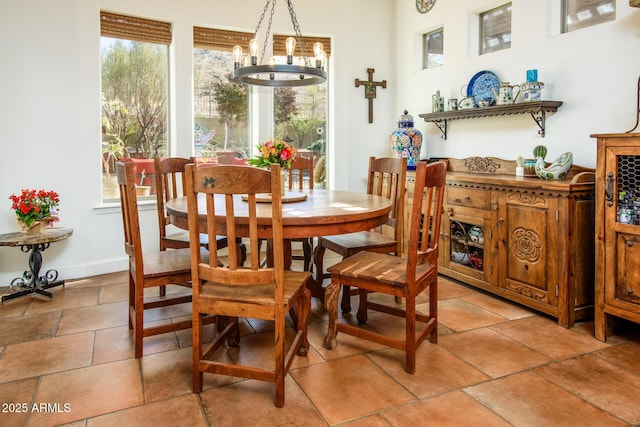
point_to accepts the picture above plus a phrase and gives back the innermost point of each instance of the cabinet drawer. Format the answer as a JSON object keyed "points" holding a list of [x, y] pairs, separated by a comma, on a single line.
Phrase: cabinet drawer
{"points": [[479, 199]]}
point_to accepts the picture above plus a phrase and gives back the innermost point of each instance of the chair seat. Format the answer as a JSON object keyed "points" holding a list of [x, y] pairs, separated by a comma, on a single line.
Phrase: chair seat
{"points": [[348, 244], [183, 236], [175, 261], [379, 268], [294, 282]]}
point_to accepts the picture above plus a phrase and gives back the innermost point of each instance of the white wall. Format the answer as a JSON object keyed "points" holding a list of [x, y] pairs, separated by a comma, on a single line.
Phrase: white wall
{"points": [[50, 106], [593, 71]]}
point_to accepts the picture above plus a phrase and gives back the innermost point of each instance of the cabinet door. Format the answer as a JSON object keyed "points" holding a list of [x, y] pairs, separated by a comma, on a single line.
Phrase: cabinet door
{"points": [[466, 245], [529, 249], [622, 227]]}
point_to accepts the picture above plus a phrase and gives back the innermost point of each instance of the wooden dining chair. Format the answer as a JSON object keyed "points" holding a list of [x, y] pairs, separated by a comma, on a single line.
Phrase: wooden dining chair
{"points": [[252, 291], [170, 183], [403, 277], [386, 177], [149, 268], [301, 167]]}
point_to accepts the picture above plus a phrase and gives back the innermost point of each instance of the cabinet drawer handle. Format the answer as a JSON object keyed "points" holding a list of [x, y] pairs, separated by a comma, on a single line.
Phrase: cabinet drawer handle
{"points": [[629, 291], [500, 221], [630, 243], [608, 189]]}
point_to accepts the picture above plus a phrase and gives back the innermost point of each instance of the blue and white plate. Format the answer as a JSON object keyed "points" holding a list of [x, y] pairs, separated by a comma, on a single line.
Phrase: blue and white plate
{"points": [[480, 85]]}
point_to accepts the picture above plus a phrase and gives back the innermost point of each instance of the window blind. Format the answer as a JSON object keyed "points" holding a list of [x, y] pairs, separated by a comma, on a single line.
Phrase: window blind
{"points": [[211, 38], [280, 50], [131, 28]]}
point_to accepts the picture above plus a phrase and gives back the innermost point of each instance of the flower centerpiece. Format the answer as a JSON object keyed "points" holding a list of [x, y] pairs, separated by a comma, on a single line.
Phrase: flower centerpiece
{"points": [[35, 209], [274, 151]]}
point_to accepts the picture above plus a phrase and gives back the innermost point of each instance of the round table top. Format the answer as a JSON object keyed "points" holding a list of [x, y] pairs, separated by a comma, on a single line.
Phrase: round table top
{"points": [[323, 213], [51, 234]]}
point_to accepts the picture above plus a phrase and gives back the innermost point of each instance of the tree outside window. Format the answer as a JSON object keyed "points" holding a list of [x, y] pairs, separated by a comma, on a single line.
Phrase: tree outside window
{"points": [[135, 91]]}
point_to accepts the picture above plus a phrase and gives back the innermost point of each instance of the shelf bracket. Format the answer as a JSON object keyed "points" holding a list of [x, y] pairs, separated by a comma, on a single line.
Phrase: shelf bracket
{"points": [[442, 125], [539, 118]]}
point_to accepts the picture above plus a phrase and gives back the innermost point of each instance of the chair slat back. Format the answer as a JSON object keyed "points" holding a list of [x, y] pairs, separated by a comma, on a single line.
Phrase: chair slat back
{"points": [[129, 204], [387, 177], [299, 166], [220, 190], [426, 216], [170, 183]]}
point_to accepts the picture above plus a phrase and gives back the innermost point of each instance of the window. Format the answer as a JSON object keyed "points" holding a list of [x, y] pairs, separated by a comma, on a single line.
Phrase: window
{"points": [[432, 48], [495, 29], [300, 113], [221, 106], [577, 14], [135, 93]]}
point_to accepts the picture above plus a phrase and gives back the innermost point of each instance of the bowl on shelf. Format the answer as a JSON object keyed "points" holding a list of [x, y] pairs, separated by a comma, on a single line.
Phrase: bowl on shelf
{"points": [[460, 257], [556, 170], [476, 235]]}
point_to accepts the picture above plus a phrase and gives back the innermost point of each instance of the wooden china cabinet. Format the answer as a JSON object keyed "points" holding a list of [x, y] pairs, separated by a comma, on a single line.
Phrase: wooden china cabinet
{"points": [[617, 231], [525, 239]]}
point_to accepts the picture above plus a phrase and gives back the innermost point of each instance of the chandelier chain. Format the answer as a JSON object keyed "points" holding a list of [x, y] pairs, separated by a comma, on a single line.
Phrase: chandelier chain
{"points": [[296, 28], [266, 37]]}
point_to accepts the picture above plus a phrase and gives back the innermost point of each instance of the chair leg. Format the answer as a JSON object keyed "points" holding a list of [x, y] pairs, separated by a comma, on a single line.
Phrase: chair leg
{"points": [[433, 310], [306, 249], [345, 305], [410, 335], [331, 295], [318, 259], [196, 332], [138, 323], [163, 290], [362, 307], [242, 250], [303, 310]]}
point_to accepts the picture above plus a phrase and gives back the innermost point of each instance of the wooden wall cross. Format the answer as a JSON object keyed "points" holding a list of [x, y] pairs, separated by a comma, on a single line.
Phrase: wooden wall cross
{"points": [[370, 89]]}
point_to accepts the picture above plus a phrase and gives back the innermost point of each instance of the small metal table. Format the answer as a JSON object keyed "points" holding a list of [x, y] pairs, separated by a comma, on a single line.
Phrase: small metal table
{"points": [[31, 281]]}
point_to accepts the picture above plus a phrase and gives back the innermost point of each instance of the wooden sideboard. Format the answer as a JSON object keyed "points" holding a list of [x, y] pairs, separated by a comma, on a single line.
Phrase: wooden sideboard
{"points": [[617, 231], [525, 239]]}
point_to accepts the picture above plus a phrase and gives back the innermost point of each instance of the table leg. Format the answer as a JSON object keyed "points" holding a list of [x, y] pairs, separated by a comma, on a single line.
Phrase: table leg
{"points": [[31, 282]]}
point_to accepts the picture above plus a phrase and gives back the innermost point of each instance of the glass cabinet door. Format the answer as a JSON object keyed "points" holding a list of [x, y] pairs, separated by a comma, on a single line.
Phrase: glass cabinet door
{"points": [[628, 189]]}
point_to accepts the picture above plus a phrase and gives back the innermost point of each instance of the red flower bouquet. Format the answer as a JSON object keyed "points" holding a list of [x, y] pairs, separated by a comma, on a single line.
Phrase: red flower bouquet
{"points": [[31, 206]]}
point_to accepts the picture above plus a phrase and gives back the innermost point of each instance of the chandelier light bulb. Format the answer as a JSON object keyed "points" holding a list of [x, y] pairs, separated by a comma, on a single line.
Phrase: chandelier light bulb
{"points": [[237, 57], [317, 48], [253, 50], [290, 45], [321, 58]]}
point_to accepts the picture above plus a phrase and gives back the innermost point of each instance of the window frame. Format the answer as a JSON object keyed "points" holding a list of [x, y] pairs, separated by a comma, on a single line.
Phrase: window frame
{"points": [[425, 48], [483, 30], [566, 27]]}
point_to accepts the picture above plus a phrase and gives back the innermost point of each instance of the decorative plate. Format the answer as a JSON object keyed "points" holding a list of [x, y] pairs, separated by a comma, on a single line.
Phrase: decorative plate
{"points": [[424, 6], [480, 86]]}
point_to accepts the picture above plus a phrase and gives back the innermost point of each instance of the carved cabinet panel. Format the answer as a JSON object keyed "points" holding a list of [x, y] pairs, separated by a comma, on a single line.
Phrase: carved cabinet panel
{"points": [[528, 246]]}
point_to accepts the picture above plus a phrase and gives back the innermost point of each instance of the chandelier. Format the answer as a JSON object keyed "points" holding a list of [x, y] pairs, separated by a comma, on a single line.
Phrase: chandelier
{"points": [[301, 72]]}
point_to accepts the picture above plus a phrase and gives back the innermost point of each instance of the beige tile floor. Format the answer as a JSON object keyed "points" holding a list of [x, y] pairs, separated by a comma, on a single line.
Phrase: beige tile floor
{"points": [[70, 361]]}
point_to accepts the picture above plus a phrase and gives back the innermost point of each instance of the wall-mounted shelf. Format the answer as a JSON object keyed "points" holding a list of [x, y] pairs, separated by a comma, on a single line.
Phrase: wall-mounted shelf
{"points": [[537, 110]]}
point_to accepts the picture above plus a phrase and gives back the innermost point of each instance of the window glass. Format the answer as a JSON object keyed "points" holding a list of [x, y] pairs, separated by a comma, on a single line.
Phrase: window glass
{"points": [[300, 116], [135, 76], [495, 29], [433, 53], [221, 106], [578, 14]]}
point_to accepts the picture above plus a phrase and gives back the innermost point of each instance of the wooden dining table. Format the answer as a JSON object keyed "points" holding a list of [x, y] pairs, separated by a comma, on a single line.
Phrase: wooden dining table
{"points": [[320, 213]]}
